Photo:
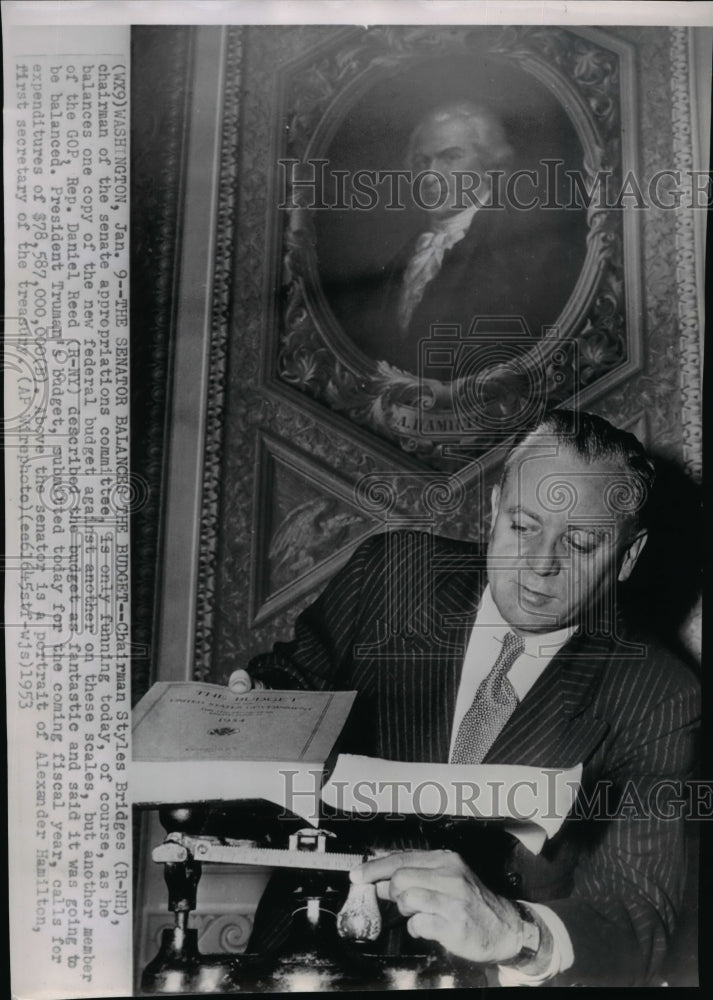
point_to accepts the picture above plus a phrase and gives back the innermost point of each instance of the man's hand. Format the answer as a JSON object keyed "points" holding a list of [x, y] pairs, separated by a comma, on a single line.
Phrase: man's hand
{"points": [[447, 903], [240, 682]]}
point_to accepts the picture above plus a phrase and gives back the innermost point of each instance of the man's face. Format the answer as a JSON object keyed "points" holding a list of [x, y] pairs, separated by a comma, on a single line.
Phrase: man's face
{"points": [[556, 545], [445, 147]]}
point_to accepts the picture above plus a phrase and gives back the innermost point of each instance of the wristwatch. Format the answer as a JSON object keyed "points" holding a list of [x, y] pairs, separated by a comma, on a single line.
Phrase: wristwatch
{"points": [[531, 935]]}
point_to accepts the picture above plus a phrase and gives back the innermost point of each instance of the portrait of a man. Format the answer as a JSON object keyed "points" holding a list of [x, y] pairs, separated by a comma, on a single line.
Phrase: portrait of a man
{"points": [[475, 259], [472, 239]]}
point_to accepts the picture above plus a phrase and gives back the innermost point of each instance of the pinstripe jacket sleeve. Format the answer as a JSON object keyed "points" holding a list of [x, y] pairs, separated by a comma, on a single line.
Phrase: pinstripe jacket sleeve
{"points": [[627, 884], [326, 632], [615, 872]]}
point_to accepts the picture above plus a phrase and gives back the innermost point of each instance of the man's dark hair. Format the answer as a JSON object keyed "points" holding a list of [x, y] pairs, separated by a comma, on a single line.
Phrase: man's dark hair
{"points": [[594, 439]]}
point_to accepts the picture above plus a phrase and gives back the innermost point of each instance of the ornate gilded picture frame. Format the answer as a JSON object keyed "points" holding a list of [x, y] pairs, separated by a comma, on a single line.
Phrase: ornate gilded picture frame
{"points": [[344, 211]]}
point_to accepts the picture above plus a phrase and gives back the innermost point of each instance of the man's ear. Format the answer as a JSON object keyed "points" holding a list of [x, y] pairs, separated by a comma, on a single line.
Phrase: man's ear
{"points": [[631, 555], [494, 505]]}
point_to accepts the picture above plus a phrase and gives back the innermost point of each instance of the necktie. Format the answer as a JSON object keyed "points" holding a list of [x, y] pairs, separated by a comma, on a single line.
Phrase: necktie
{"points": [[492, 706]]}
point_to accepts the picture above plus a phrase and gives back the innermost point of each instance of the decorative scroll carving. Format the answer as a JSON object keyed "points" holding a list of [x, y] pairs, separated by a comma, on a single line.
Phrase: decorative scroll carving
{"points": [[218, 933], [656, 388], [688, 319], [222, 292]]}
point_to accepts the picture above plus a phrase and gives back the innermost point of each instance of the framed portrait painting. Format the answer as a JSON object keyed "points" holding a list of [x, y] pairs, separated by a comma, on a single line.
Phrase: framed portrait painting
{"points": [[445, 342]]}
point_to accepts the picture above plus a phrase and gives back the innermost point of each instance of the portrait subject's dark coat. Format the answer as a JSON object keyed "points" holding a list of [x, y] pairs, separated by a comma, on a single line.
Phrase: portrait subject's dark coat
{"points": [[394, 625], [510, 264]]}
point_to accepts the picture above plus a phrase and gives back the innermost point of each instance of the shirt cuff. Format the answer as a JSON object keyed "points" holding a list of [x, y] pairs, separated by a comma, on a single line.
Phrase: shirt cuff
{"points": [[562, 952]]}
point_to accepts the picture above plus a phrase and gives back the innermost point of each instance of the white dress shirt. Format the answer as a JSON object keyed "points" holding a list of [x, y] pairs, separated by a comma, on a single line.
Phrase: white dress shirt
{"points": [[484, 645]]}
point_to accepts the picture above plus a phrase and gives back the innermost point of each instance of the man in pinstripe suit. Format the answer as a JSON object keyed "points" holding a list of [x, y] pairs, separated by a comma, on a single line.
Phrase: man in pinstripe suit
{"points": [[414, 623]]}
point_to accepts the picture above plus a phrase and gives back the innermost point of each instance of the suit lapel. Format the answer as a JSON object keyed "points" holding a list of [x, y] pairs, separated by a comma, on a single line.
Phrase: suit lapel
{"points": [[427, 665], [456, 604], [421, 674], [550, 727]]}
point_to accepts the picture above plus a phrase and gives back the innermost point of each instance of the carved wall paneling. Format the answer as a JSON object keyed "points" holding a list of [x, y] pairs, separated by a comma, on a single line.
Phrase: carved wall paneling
{"points": [[689, 316], [161, 61], [310, 523]]}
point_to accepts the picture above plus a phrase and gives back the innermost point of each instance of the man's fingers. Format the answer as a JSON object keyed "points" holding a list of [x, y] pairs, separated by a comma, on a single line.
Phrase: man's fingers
{"points": [[384, 868], [430, 926], [383, 889], [419, 900], [240, 682], [444, 881]]}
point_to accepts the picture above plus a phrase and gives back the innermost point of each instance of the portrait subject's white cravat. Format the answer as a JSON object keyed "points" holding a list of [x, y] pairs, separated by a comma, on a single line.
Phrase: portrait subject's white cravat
{"points": [[427, 259]]}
